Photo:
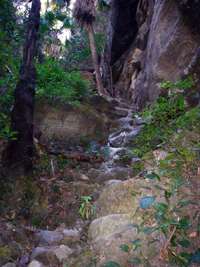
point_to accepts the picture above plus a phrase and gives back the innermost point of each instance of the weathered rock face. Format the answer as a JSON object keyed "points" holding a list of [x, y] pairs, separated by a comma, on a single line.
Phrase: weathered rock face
{"points": [[163, 46], [170, 49], [72, 124]]}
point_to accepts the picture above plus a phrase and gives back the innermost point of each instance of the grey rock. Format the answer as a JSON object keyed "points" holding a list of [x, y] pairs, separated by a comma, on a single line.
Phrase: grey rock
{"points": [[108, 233], [38, 251], [120, 199], [9, 264], [115, 173], [112, 182], [35, 263], [114, 223], [170, 48], [138, 120], [71, 234], [46, 237], [63, 252], [84, 177], [52, 254], [163, 46], [107, 248]]}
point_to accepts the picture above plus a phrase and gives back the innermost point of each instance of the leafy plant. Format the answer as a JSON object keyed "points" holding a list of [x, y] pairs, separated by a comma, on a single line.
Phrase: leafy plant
{"points": [[5, 131], [54, 83], [169, 215], [86, 209], [163, 118], [186, 83], [77, 50], [111, 264], [137, 167], [125, 248]]}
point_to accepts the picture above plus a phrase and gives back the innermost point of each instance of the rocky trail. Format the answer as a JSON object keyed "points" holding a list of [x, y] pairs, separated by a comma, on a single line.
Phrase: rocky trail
{"points": [[65, 242], [56, 246], [106, 187], [93, 217]]}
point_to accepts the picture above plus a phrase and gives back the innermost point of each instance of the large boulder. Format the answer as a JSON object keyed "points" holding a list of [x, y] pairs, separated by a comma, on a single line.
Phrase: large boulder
{"points": [[65, 123], [108, 234], [114, 223], [121, 208], [58, 237], [35, 263], [124, 197], [112, 235]]}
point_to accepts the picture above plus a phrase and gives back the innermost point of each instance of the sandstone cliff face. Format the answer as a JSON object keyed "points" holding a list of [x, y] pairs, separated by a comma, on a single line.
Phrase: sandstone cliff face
{"points": [[71, 125], [159, 41]]}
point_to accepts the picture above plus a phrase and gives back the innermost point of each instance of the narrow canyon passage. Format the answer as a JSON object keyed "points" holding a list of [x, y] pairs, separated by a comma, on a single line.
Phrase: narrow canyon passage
{"points": [[107, 171]]}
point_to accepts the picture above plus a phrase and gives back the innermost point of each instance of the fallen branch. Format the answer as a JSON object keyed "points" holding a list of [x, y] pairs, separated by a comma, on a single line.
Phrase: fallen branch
{"points": [[164, 250]]}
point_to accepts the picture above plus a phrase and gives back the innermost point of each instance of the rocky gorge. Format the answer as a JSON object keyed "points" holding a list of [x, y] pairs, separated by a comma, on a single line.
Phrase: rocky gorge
{"points": [[117, 225], [100, 197]]}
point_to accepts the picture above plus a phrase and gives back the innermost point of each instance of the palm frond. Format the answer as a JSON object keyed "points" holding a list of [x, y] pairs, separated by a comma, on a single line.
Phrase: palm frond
{"points": [[84, 11]]}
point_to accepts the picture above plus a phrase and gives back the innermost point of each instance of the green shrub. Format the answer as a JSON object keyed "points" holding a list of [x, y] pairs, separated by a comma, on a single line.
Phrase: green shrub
{"points": [[7, 85], [189, 119], [166, 116], [77, 50], [160, 122], [186, 83], [54, 83], [5, 130]]}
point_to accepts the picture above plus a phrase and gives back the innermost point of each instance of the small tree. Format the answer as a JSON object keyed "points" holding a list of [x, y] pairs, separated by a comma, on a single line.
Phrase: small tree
{"points": [[19, 152], [84, 13]]}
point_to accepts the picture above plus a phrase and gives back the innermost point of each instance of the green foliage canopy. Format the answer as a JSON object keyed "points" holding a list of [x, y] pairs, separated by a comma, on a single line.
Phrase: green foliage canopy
{"points": [[54, 83]]}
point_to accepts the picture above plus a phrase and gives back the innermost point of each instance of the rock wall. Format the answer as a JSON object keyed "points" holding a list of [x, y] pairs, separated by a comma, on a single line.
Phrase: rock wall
{"points": [[165, 42], [68, 124]]}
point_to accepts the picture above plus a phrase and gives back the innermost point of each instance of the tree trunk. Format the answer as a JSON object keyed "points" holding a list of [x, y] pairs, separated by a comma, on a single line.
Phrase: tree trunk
{"points": [[19, 153], [93, 49]]}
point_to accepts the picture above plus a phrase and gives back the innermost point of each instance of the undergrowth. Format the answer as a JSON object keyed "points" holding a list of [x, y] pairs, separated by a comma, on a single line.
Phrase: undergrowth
{"points": [[174, 127], [166, 116], [54, 83], [171, 218]]}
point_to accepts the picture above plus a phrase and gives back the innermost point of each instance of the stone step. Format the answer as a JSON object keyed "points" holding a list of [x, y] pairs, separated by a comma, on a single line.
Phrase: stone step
{"points": [[124, 105], [121, 112]]}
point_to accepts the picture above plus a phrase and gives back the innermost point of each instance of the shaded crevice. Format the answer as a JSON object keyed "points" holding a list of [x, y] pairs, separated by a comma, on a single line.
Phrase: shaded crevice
{"points": [[191, 12], [125, 27]]}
